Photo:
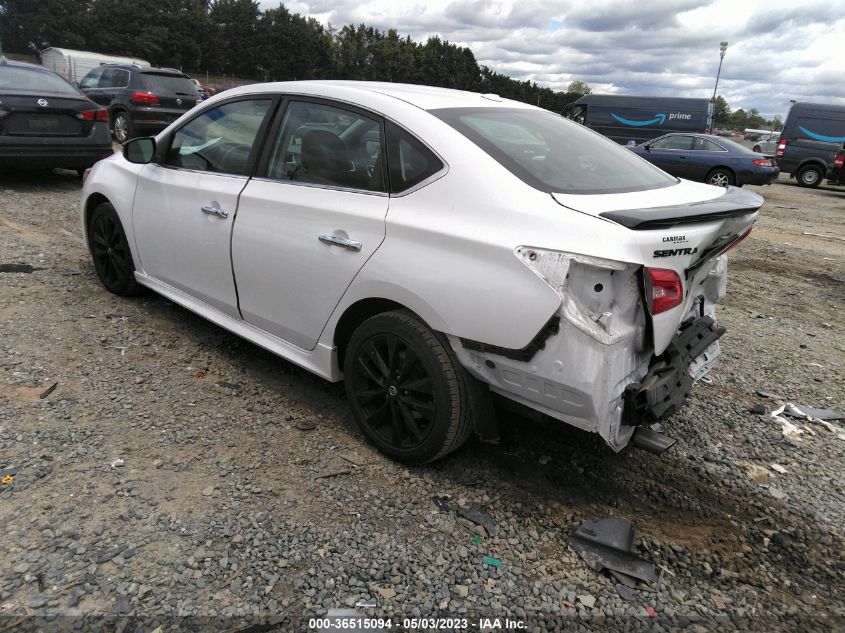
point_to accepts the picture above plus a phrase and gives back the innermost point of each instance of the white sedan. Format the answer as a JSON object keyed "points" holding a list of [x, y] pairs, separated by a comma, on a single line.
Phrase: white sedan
{"points": [[431, 248]]}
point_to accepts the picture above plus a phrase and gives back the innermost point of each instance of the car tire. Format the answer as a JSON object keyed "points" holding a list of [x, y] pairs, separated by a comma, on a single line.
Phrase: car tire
{"points": [[110, 252], [720, 177], [757, 149], [122, 127], [406, 389], [809, 176]]}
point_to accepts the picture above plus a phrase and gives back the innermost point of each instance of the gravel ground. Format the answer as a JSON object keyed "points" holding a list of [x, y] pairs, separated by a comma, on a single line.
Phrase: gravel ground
{"points": [[165, 479]]}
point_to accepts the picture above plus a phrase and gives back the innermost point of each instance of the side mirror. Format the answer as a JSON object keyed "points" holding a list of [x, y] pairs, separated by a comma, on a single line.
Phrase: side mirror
{"points": [[140, 150], [647, 147]]}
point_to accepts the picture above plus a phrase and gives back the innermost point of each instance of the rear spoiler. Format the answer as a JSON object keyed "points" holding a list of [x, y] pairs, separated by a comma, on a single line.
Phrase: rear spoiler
{"points": [[734, 202]]}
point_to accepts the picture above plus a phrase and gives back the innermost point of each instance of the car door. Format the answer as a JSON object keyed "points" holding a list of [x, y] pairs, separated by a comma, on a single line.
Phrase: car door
{"points": [[310, 219], [90, 84], [186, 202], [671, 154], [705, 156]]}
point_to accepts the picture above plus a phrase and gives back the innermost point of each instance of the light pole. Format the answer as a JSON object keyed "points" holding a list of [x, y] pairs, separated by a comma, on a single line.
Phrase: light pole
{"points": [[723, 46]]}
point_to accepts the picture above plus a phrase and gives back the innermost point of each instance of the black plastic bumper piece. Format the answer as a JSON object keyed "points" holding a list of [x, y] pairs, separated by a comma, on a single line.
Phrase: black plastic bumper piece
{"points": [[526, 353], [667, 383]]}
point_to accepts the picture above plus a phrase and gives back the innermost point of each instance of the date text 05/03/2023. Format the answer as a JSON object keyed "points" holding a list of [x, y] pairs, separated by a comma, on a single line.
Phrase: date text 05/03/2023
{"points": [[454, 625]]}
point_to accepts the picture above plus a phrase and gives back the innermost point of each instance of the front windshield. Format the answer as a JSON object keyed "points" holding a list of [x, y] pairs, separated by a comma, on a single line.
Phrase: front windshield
{"points": [[552, 154]]}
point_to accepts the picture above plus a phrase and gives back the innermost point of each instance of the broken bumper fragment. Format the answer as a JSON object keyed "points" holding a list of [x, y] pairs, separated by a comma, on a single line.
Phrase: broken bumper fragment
{"points": [[668, 381]]}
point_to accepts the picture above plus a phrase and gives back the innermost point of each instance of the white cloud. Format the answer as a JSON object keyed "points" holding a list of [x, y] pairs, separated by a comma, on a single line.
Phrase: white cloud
{"points": [[778, 50]]}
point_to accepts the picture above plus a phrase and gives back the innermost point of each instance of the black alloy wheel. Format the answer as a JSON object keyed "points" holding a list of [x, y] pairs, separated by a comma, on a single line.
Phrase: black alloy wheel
{"points": [[110, 251], [406, 389]]}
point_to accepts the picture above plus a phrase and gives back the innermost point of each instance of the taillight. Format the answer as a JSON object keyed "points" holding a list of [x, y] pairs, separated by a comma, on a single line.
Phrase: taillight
{"points": [[144, 97], [839, 161], [762, 162], [781, 147], [736, 242], [94, 115], [664, 288]]}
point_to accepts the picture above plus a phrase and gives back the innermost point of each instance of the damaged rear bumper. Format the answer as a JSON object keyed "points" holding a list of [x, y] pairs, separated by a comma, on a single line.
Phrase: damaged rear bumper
{"points": [[669, 381], [597, 369]]}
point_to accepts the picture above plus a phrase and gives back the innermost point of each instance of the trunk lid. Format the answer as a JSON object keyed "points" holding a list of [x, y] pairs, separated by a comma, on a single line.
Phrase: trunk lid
{"points": [[49, 116], [682, 228]]}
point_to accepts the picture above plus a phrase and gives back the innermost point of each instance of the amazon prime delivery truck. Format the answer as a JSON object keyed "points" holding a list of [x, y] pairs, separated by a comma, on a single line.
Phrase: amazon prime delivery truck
{"points": [[625, 119], [812, 136]]}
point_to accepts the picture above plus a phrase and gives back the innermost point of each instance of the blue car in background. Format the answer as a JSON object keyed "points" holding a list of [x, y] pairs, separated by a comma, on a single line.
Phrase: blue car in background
{"points": [[708, 158]]}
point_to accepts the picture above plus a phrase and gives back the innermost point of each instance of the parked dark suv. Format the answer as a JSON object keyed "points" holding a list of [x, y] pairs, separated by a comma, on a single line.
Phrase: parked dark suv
{"points": [[141, 101]]}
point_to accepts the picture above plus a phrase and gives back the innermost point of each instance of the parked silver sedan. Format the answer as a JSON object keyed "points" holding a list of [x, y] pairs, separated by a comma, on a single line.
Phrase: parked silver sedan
{"points": [[767, 144]]}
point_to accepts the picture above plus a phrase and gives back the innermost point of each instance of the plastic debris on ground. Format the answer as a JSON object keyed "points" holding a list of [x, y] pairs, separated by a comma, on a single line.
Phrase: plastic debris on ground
{"points": [[810, 414], [608, 544], [493, 562], [442, 503], [477, 514], [765, 393], [789, 430], [778, 468], [756, 473], [333, 473], [48, 391]]}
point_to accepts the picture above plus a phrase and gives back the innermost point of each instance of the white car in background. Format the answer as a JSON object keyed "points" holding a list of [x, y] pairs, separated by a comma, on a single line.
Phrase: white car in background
{"points": [[432, 248], [767, 144]]}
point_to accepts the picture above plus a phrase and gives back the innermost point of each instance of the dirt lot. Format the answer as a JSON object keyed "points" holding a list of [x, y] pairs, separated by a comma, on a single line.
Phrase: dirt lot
{"points": [[165, 479]]}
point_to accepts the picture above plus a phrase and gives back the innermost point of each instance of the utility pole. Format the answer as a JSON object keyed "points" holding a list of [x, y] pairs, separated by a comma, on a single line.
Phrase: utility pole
{"points": [[723, 46]]}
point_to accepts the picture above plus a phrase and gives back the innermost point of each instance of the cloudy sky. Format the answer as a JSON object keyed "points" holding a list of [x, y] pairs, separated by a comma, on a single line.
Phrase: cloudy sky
{"points": [[778, 49]]}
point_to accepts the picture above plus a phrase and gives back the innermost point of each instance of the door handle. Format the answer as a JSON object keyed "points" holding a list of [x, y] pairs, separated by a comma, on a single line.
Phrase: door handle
{"points": [[208, 210], [343, 242]]}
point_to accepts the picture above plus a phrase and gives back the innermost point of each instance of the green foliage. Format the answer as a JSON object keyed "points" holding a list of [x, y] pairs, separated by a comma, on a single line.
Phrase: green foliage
{"points": [[721, 111], [579, 87], [235, 37]]}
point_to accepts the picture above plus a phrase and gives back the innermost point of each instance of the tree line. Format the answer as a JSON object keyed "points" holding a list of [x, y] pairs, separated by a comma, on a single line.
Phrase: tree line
{"points": [[236, 37], [740, 118]]}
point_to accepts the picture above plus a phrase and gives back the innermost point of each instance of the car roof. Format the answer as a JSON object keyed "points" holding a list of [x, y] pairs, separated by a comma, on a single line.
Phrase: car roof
{"points": [[369, 92], [17, 64], [145, 69]]}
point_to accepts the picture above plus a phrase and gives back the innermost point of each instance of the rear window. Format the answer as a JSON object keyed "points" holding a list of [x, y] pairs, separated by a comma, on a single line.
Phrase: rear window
{"points": [[168, 84], [552, 154], [737, 147], [19, 79]]}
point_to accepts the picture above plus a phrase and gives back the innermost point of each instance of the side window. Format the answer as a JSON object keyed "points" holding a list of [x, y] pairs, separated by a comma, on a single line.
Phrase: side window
{"points": [[91, 79], [114, 78], [705, 144], [409, 161], [220, 140], [324, 145], [673, 142]]}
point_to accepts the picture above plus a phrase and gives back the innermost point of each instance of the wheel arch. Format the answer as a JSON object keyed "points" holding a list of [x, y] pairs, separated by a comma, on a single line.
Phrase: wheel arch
{"points": [[812, 161], [92, 202], [723, 167], [354, 315]]}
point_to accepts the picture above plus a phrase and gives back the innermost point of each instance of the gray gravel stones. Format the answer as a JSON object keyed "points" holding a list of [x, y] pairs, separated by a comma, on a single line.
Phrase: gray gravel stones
{"points": [[216, 512]]}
